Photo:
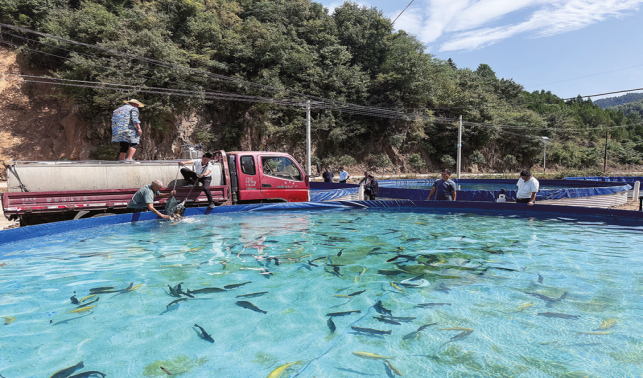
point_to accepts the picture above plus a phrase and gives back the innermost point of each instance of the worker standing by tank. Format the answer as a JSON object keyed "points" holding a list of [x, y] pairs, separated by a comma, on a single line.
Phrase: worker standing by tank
{"points": [[126, 129], [202, 173], [143, 199], [528, 187]]}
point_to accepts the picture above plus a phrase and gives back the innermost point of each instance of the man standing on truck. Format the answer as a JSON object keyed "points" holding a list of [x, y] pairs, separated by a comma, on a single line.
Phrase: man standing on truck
{"points": [[126, 129], [204, 175], [143, 200]]}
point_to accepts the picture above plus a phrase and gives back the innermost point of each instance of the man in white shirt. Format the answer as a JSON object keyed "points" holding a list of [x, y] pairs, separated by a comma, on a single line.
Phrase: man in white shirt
{"points": [[343, 175], [202, 173], [527, 188]]}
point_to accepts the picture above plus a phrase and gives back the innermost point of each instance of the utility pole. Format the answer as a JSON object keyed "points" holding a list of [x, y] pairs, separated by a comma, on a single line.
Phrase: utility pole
{"points": [[545, 139], [605, 159], [459, 147], [308, 170]]}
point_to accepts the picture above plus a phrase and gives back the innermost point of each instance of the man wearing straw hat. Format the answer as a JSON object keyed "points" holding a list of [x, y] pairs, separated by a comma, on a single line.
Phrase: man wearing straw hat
{"points": [[126, 129]]}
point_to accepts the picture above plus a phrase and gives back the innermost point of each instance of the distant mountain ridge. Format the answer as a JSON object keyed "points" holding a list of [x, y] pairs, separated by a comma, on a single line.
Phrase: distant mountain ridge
{"points": [[620, 100]]}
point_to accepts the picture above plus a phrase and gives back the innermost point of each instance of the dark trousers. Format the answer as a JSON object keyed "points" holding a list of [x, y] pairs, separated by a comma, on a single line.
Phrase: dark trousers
{"points": [[192, 178], [368, 195], [523, 200]]}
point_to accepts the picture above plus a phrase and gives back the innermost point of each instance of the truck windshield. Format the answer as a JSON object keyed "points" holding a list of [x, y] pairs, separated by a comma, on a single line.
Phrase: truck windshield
{"points": [[281, 167]]}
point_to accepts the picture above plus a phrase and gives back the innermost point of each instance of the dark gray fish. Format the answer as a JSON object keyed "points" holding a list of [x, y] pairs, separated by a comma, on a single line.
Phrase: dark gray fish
{"points": [[401, 318], [540, 279], [370, 331], [336, 270], [356, 372], [412, 240], [549, 299], [88, 303], [411, 335], [507, 269], [319, 258], [310, 263], [252, 295], [250, 306], [422, 328], [173, 290], [380, 309], [275, 260], [442, 287], [125, 290], [307, 267], [340, 252], [174, 302], [482, 271], [204, 335], [558, 315], [180, 291], [459, 336], [350, 229], [356, 293], [343, 313], [375, 249], [74, 300], [392, 231], [385, 320], [89, 374], [390, 272], [232, 286], [98, 290], [206, 290], [331, 325], [66, 372], [432, 304]]}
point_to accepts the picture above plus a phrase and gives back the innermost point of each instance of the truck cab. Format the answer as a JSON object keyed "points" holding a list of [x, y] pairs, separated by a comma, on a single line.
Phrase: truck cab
{"points": [[258, 176]]}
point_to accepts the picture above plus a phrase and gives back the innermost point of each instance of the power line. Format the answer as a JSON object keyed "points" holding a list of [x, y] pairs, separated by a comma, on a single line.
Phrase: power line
{"points": [[398, 16]]}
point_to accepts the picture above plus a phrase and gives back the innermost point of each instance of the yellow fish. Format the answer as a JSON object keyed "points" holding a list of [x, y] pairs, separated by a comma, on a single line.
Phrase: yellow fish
{"points": [[397, 287], [87, 297], [279, 372], [82, 309], [524, 306], [593, 333], [455, 329], [372, 355], [423, 224], [607, 324], [393, 368], [8, 319], [343, 296], [135, 287]]}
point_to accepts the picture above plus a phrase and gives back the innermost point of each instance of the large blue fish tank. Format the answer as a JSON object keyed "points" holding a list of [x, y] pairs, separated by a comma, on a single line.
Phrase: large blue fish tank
{"points": [[374, 289]]}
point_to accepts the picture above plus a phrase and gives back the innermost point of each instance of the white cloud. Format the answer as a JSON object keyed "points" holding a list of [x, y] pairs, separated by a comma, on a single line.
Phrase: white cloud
{"points": [[473, 24]]}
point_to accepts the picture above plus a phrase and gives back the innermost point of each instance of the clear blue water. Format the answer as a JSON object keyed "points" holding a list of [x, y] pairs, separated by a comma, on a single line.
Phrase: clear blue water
{"points": [[497, 274]]}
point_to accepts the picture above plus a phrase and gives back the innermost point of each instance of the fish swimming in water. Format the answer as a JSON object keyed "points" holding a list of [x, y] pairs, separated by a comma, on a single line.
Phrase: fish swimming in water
{"points": [[82, 309], [167, 308], [393, 368], [370, 331], [173, 290], [343, 313], [540, 279], [279, 372], [165, 370], [549, 299], [85, 298], [180, 291], [372, 356], [340, 252], [414, 334], [443, 288], [525, 305], [432, 304], [204, 335], [310, 263], [8, 319], [206, 290], [319, 258], [456, 329], [88, 303], [381, 309], [66, 372], [74, 300], [396, 287], [89, 374], [400, 318], [233, 286], [607, 324], [412, 282], [336, 270], [356, 293], [558, 315], [250, 306], [459, 336], [98, 290], [593, 333], [331, 325], [385, 320], [251, 295]]}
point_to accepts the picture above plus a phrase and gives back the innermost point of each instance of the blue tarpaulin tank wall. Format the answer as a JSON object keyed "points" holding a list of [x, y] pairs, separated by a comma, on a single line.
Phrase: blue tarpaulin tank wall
{"points": [[327, 191], [629, 180]]}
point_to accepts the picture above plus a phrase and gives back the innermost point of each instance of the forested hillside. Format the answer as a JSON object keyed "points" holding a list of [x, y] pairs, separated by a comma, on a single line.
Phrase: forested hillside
{"points": [[619, 100], [296, 50]]}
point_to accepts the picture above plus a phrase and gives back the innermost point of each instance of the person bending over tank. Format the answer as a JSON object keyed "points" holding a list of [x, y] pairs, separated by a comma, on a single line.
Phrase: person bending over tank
{"points": [[202, 173], [371, 189], [527, 188], [444, 188], [143, 199]]}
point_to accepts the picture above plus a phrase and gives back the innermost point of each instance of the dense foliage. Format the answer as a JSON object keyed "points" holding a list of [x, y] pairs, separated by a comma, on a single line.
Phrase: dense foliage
{"points": [[619, 100], [295, 47]]}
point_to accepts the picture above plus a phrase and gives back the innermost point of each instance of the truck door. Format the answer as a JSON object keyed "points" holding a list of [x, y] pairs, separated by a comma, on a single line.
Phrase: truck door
{"points": [[282, 179], [249, 187]]}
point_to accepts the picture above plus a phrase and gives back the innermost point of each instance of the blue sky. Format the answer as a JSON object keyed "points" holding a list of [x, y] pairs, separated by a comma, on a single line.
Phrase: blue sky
{"points": [[569, 47]]}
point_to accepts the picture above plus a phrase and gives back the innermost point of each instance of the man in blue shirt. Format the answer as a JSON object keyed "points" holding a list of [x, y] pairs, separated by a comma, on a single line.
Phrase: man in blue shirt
{"points": [[143, 200], [126, 129], [328, 175], [444, 189]]}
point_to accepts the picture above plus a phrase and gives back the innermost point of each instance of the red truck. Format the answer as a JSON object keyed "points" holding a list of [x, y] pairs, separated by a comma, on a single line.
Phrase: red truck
{"points": [[41, 192]]}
